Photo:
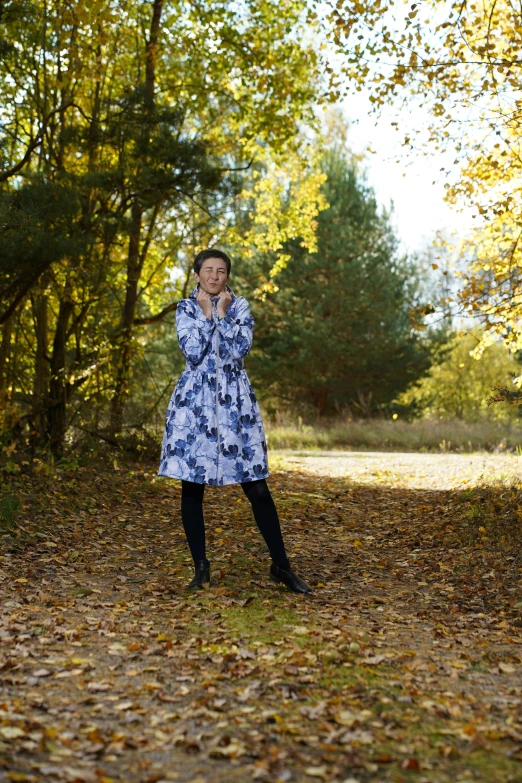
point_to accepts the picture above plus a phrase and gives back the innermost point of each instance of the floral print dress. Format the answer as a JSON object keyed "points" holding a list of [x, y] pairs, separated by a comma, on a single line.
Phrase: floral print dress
{"points": [[213, 428]]}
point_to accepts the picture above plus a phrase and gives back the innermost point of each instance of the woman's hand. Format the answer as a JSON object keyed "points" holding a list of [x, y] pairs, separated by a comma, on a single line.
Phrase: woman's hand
{"points": [[225, 297], [203, 300]]}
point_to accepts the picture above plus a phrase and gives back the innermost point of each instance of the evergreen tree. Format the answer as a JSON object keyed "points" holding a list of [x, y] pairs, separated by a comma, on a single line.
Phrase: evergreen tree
{"points": [[338, 332]]}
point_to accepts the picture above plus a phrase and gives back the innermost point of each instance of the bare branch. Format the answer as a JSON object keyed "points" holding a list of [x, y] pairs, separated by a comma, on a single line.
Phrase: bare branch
{"points": [[155, 318]]}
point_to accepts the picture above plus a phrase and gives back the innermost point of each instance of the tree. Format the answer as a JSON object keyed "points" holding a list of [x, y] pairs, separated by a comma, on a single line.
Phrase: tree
{"points": [[337, 331], [461, 60], [457, 385], [120, 130]]}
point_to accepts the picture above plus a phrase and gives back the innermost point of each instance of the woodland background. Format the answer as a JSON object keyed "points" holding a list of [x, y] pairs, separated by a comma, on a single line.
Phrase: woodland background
{"points": [[134, 134]]}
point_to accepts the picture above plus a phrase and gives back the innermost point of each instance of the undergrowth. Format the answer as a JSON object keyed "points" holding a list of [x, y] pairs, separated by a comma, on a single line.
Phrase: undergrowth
{"points": [[428, 435]]}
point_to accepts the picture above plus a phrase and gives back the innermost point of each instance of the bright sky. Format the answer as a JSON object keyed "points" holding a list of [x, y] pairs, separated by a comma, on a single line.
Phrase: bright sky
{"points": [[414, 182]]}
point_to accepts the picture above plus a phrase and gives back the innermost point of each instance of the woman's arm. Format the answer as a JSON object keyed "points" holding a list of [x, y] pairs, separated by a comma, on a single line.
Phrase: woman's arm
{"points": [[194, 330], [238, 330]]}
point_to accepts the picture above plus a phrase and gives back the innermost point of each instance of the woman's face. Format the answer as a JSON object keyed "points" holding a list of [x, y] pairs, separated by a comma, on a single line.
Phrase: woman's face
{"points": [[212, 276]]}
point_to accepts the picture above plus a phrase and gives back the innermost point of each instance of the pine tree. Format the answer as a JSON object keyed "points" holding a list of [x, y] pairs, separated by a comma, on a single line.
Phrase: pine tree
{"points": [[338, 331]]}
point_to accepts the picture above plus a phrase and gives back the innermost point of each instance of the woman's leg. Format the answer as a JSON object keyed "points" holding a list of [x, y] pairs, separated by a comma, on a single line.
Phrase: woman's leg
{"points": [[192, 517], [265, 514]]}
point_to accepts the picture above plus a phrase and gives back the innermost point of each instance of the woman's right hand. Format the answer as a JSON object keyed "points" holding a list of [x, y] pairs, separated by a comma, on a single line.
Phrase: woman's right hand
{"points": [[203, 300]]}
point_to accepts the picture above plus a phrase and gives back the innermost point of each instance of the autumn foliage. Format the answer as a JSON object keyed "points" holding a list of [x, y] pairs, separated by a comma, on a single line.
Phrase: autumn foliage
{"points": [[461, 62]]}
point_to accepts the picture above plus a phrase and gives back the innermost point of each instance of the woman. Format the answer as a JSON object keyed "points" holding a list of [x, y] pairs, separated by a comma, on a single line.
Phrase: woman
{"points": [[213, 428]]}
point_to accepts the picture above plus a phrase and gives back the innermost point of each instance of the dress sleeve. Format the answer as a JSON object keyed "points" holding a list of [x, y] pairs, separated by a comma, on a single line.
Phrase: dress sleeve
{"points": [[194, 330], [237, 331]]}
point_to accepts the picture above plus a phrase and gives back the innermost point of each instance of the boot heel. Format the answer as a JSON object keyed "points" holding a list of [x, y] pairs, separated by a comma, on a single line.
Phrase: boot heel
{"points": [[201, 576], [289, 578]]}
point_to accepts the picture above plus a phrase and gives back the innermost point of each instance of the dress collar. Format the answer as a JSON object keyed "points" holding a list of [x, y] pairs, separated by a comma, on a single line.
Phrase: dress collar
{"points": [[194, 291]]}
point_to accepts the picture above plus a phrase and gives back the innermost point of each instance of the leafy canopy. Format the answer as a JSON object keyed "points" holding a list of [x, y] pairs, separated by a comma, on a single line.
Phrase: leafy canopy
{"points": [[458, 386], [461, 61]]}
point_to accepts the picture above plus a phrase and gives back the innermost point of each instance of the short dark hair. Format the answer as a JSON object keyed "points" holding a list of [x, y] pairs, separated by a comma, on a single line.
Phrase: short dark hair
{"points": [[204, 254]]}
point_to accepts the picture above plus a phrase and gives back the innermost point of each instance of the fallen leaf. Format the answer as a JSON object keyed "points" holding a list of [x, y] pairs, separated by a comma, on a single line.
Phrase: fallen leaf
{"points": [[316, 772], [410, 764], [11, 732]]}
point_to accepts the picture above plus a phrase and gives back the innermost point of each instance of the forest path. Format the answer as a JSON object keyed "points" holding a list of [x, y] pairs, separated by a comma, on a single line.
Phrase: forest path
{"points": [[404, 664], [411, 469]]}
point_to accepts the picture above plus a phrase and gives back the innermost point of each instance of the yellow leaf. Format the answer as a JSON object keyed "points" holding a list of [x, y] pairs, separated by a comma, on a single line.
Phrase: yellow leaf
{"points": [[346, 718], [11, 732], [316, 772]]}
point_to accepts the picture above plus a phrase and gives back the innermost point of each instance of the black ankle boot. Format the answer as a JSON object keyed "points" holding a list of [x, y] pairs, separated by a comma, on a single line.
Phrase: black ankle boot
{"points": [[201, 575], [288, 578]]}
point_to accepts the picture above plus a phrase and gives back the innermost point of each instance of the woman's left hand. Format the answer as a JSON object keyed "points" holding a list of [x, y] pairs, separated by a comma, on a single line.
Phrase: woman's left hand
{"points": [[225, 297]]}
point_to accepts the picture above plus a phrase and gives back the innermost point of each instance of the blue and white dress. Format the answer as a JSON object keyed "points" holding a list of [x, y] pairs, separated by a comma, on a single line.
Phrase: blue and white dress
{"points": [[213, 428]]}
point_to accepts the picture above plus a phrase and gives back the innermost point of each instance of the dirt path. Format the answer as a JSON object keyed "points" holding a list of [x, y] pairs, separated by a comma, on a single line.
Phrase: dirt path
{"points": [[405, 663], [411, 469]]}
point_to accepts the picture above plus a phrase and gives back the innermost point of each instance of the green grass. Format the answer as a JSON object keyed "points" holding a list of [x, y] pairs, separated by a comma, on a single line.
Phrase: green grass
{"points": [[395, 435], [263, 624], [9, 507], [336, 676], [490, 767]]}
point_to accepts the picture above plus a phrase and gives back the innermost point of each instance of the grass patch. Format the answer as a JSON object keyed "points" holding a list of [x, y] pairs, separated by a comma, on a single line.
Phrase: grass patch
{"points": [[262, 624], [493, 767], [339, 676], [395, 435], [9, 508]]}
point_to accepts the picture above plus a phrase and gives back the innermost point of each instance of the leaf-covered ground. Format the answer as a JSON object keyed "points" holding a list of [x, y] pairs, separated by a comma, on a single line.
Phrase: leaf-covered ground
{"points": [[404, 664]]}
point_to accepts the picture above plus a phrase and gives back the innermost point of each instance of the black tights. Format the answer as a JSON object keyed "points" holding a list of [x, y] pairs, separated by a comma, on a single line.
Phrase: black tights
{"points": [[263, 506]]}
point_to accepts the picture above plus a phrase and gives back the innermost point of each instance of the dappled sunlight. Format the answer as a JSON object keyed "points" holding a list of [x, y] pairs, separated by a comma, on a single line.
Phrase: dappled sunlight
{"points": [[405, 657], [409, 469]]}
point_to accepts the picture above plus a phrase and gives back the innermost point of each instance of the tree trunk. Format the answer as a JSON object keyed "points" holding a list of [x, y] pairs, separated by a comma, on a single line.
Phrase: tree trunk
{"points": [[135, 259], [41, 369], [151, 53], [5, 350], [57, 407], [321, 400], [121, 385]]}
